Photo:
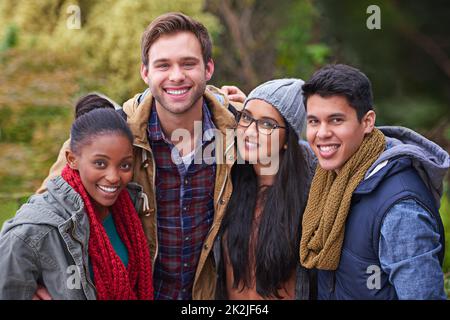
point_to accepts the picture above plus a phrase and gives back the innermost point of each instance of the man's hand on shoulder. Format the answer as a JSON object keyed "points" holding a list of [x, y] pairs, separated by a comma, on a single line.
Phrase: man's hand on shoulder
{"points": [[233, 93]]}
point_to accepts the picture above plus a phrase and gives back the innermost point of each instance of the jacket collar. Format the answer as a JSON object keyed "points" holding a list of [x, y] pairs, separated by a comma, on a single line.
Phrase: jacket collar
{"points": [[138, 113]]}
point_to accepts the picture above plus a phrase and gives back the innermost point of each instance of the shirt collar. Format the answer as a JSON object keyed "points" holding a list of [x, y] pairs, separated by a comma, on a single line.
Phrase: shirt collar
{"points": [[155, 132]]}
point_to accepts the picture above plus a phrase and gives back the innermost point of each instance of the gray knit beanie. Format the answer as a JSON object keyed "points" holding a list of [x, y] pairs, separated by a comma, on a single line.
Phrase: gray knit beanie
{"points": [[286, 96]]}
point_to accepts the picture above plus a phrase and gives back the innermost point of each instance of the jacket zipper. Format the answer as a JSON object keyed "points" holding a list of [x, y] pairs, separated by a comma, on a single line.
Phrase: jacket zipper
{"points": [[156, 208], [221, 189], [218, 201], [154, 199], [223, 186]]}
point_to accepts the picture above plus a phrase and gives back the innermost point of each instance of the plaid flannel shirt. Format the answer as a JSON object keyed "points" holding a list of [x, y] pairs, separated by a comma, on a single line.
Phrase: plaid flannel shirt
{"points": [[185, 203]]}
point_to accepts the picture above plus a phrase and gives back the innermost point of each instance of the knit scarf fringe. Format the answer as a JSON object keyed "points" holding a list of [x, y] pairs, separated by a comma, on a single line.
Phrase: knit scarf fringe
{"points": [[323, 225], [112, 280]]}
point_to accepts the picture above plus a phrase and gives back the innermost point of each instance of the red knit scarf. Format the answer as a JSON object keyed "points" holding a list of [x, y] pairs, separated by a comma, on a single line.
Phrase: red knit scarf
{"points": [[112, 280]]}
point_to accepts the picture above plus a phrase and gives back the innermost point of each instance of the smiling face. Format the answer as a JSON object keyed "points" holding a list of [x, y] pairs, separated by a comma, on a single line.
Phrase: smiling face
{"points": [[105, 164], [333, 130], [256, 147], [176, 73]]}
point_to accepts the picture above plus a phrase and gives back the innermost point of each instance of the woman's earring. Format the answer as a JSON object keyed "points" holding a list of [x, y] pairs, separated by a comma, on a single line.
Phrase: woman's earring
{"points": [[285, 147]]}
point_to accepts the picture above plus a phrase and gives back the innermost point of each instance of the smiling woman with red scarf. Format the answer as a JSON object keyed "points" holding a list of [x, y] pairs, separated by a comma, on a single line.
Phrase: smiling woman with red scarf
{"points": [[82, 238]]}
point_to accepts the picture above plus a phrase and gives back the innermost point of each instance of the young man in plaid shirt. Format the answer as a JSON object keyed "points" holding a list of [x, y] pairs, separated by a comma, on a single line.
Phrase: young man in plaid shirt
{"points": [[186, 181]]}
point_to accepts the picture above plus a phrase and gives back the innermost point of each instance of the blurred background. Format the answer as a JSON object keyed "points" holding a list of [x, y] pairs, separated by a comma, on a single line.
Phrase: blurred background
{"points": [[54, 51]]}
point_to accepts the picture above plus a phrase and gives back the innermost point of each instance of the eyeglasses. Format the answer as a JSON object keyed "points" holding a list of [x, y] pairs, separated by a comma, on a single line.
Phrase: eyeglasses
{"points": [[264, 126]]}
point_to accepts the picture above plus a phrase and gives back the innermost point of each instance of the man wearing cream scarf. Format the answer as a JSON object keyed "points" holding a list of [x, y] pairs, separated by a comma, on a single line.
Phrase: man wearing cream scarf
{"points": [[371, 227]]}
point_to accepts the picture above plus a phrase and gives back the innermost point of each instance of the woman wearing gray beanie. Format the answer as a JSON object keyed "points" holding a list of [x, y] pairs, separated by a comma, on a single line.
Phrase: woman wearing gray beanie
{"points": [[257, 248]]}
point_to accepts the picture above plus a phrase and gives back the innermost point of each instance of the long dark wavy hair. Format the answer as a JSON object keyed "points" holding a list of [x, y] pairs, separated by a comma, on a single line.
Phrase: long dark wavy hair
{"points": [[278, 237]]}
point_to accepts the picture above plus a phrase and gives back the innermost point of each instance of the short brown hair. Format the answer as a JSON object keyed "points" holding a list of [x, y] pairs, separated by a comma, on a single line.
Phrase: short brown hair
{"points": [[170, 23]]}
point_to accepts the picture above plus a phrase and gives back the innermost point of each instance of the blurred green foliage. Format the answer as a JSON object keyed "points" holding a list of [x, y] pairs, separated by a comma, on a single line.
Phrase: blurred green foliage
{"points": [[21, 126], [7, 209], [10, 39], [266, 39], [407, 60], [297, 52]]}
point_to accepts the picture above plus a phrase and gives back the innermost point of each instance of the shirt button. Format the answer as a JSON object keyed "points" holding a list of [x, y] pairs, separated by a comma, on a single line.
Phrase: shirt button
{"points": [[184, 208], [184, 290], [187, 238], [186, 181], [185, 265]]}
